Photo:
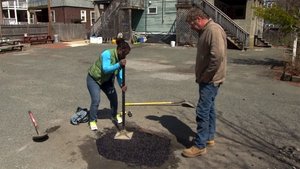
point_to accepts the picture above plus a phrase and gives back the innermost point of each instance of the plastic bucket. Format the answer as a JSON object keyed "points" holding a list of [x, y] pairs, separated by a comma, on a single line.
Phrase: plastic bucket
{"points": [[172, 43], [114, 41], [97, 40], [141, 39], [55, 38]]}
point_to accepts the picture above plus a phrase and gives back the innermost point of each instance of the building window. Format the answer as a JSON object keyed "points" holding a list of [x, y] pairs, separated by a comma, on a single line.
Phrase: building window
{"points": [[93, 17], [83, 15], [152, 10], [234, 9]]}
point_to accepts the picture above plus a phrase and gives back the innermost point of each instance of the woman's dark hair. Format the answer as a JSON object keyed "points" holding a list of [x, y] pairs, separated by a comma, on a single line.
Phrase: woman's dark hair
{"points": [[122, 45]]}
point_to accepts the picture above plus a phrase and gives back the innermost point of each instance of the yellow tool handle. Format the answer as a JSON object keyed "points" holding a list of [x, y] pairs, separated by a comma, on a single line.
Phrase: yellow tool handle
{"points": [[148, 103]]}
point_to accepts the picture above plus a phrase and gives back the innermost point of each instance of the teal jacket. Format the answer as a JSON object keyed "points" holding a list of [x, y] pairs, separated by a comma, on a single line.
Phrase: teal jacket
{"points": [[106, 67]]}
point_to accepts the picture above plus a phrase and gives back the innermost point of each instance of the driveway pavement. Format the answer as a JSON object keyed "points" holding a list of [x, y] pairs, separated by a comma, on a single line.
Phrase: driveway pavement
{"points": [[257, 124]]}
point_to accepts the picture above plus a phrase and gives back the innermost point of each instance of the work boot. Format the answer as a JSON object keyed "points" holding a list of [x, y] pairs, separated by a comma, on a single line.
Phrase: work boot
{"points": [[210, 143], [193, 151], [93, 125]]}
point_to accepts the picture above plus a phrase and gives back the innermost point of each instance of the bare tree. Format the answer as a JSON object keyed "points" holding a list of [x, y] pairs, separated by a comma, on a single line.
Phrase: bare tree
{"points": [[289, 4], [1, 18], [293, 6], [286, 15]]}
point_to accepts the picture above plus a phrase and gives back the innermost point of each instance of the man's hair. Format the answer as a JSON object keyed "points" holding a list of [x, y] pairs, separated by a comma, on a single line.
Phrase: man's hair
{"points": [[195, 12]]}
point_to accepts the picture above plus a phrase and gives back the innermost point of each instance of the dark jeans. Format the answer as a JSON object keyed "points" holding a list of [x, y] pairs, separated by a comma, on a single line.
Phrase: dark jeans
{"points": [[205, 114], [94, 89]]}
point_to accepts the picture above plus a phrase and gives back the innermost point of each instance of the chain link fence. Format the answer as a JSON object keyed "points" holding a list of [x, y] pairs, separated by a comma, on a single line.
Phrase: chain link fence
{"points": [[184, 34]]}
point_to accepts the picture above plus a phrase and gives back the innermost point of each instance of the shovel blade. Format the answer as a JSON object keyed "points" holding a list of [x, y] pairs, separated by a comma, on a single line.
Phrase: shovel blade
{"points": [[187, 104], [40, 138], [123, 135]]}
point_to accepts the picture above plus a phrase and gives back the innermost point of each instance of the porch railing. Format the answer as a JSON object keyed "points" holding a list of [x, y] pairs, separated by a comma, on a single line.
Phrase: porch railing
{"points": [[100, 27], [37, 3], [13, 4], [226, 22], [133, 3]]}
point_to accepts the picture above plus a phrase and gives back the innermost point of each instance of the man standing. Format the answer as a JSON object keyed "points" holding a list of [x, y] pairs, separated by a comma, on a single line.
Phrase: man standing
{"points": [[210, 73]]}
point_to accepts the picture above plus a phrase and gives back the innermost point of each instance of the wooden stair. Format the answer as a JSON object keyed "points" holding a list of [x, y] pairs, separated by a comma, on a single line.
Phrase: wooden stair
{"points": [[234, 42], [236, 35], [117, 12], [260, 42]]}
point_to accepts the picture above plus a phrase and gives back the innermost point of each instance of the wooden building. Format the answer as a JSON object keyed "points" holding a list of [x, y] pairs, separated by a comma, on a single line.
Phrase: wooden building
{"points": [[14, 12], [144, 17], [63, 11]]}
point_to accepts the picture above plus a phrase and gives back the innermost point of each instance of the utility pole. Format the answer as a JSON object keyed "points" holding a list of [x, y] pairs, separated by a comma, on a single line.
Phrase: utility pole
{"points": [[1, 13], [1, 18], [49, 19]]}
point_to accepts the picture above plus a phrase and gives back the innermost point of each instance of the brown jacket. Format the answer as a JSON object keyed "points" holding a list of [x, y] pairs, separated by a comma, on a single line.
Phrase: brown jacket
{"points": [[211, 54]]}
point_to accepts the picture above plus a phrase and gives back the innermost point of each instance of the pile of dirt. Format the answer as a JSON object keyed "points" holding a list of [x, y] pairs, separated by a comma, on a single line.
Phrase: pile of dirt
{"points": [[294, 71]]}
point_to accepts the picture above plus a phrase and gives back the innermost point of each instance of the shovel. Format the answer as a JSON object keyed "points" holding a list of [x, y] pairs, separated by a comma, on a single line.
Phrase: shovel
{"points": [[182, 103], [38, 137], [122, 134]]}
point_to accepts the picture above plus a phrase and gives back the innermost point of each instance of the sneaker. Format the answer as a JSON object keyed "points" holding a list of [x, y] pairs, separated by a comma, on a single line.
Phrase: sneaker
{"points": [[93, 126], [210, 143], [193, 151]]}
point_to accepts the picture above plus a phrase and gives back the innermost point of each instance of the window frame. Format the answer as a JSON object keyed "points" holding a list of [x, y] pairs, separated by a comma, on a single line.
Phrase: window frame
{"points": [[148, 10], [91, 18], [83, 15]]}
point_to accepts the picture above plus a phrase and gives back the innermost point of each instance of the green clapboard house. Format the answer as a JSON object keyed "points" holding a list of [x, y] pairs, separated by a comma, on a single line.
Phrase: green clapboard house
{"points": [[165, 20]]}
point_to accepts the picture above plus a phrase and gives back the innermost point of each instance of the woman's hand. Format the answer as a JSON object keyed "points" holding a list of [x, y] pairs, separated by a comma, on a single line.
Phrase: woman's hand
{"points": [[124, 88], [122, 62]]}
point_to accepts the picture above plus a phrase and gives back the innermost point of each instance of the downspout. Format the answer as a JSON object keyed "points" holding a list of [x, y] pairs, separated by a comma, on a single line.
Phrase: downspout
{"points": [[15, 10], [63, 8], [27, 13], [49, 18], [294, 48], [146, 13], [162, 11], [1, 17]]}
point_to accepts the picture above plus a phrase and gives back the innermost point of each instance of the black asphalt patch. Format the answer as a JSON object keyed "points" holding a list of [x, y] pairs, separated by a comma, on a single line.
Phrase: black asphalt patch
{"points": [[144, 148]]}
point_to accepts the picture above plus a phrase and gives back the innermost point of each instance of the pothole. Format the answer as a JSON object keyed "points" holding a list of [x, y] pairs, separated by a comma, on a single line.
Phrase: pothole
{"points": [[145, 148], [291, 152]]}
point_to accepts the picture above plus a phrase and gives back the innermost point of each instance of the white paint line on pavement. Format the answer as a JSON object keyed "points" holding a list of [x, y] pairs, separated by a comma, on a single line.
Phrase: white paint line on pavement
{"points": [[23, 147]]}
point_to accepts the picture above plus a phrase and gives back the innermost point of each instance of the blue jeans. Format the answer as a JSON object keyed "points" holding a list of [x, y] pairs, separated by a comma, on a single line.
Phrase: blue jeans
{"points": [[94, 89], [205, 114]]}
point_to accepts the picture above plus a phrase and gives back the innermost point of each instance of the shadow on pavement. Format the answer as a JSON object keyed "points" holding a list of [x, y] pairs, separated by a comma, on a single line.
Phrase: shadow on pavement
{"points": [[180, 130], [286, 154], [266, 62], [104, 113]]}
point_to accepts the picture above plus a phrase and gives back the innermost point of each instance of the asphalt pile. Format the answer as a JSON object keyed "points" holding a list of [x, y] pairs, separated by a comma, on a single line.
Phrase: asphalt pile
{"points": [[144, 149]]}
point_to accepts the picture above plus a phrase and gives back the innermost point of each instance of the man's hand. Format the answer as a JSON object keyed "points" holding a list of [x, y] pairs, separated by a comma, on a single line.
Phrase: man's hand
{"points": [[124, 88], [122, 62]]}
